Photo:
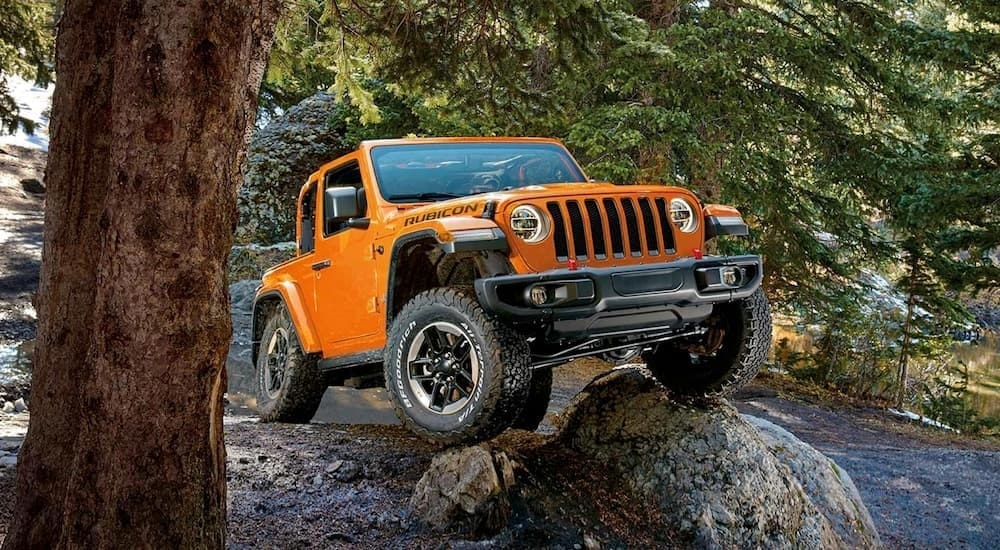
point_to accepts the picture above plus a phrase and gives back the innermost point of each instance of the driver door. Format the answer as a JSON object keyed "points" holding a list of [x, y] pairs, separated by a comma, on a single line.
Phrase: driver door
{"points": [[345, 275]]}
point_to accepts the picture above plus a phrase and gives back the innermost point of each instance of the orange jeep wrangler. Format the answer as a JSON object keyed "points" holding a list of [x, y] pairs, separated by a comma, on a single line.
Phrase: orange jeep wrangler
{"points": [[461, 270]]}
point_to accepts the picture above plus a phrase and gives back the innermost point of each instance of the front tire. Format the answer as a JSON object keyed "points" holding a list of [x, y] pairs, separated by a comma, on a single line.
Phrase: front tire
{"points": [[455, 374], [730, 354], [289, 384]]}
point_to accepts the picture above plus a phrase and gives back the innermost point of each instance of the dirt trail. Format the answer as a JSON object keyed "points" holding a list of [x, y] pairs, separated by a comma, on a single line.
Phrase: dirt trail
{"points": [[923, 490], [20, 258], [21, 217]]}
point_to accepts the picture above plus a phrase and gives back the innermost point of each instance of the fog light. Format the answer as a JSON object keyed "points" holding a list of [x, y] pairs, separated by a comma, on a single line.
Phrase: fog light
{"points": [[732, 276], [538, 295]]}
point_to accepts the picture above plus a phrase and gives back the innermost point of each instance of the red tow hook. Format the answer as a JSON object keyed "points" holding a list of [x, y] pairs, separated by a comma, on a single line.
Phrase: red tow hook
{"points": [[698, 254]]}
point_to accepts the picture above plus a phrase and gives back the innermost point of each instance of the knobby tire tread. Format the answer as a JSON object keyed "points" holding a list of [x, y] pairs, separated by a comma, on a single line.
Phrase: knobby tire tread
{"points": [[505, 392], [668, 364], [303, 380]]}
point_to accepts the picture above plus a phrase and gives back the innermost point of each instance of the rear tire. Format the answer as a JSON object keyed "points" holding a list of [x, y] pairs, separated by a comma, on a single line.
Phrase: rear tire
{"points": [[538, 401], [455, 374], [745, 339], [289, 384]]}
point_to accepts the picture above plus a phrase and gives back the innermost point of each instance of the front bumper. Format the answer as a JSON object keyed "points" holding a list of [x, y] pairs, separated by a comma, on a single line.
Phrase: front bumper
{"points": [[591, 302]]}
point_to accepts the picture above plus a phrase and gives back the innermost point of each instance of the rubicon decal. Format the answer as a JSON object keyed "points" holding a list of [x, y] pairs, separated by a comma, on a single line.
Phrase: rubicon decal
{"points": [[443, 213]]}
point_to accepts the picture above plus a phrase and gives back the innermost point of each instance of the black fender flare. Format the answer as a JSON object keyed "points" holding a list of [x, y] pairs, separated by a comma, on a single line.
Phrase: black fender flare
{"points": [[495, 241]]}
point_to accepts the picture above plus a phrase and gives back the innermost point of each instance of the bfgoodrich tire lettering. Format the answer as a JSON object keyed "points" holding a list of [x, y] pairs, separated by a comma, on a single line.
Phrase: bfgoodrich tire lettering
{"points": [[289, 385], [455, 375], [746, 339]]}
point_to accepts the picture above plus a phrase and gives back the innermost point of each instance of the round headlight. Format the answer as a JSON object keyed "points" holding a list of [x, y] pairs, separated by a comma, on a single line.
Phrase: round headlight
{"points": [[529, 223], [682, 214]]}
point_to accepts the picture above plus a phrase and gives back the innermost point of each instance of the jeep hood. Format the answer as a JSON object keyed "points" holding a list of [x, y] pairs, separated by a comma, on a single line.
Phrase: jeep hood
{"points": [[474, 204]]}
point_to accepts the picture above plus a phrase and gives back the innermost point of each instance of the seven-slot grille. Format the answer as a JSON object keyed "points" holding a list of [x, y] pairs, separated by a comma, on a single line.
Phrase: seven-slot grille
{"points": [[607, 228]]}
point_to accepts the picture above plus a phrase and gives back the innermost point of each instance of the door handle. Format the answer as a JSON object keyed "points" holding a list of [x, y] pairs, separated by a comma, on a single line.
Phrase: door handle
{"points": [[321, 265]]}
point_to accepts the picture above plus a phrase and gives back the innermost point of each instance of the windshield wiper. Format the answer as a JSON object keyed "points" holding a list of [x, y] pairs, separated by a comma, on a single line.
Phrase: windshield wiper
{"points": [[427, 196]]}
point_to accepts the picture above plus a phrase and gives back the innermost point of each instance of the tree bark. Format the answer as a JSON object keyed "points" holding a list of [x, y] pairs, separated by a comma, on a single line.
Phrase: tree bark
{"points": [[152, 108], [902, 367]]}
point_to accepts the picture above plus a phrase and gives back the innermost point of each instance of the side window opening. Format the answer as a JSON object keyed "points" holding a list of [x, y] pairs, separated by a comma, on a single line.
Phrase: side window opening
{"points": [[348, 175], [307, 223]]}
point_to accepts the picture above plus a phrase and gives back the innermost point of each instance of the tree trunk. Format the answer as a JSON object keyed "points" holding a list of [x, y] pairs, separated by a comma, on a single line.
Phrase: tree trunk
{"points": [[902, 366], [152, 107]]}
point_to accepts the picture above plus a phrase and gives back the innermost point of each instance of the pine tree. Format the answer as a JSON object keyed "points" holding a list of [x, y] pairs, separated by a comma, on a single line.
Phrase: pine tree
{"points": [[26, 41], [850, 134]]}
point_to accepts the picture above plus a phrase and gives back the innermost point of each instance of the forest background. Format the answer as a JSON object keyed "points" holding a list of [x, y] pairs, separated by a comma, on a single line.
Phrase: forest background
{"points": [[860, 139]]}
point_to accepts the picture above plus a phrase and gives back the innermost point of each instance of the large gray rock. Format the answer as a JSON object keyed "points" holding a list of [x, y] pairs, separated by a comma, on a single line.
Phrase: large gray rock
{"points": [[32, 185], [841, 506], [241, 294], [716, 479], [465, 490], [281, 157], [239, 366]]}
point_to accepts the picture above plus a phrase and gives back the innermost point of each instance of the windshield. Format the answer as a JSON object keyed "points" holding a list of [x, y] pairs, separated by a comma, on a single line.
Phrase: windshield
{"points": [[422, 172]]}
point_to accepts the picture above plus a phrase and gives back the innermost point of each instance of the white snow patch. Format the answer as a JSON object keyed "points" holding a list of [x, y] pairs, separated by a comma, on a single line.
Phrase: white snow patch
{"points": [[34, 103], [914, 416], [884, 296], [826, 239], [229, 420], [14, 427]]}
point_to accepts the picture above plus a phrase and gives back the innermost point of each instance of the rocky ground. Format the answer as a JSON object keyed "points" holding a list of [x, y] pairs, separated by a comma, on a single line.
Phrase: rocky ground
{"points": [[923, 488], [21, 206], [345, 479], [331, 484]]}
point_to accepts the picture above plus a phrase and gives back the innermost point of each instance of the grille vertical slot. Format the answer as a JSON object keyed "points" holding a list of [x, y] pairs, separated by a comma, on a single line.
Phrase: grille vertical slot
{"points": [[665, 226], [579, 229], [615, 228], [596, 229], [649, 225], [558, 231], [632, 225]]}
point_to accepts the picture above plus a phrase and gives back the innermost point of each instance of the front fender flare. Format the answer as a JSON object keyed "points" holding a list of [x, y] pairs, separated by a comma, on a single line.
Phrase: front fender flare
{"points": [[289, 294], [460, 234]]}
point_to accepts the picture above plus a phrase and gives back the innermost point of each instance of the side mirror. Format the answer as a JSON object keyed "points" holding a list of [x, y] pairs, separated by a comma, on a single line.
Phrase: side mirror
{"points": [[341, 203]]}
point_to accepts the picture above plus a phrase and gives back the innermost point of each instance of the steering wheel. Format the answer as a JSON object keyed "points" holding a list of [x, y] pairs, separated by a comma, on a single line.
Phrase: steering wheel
{"points": [[486, 183]]}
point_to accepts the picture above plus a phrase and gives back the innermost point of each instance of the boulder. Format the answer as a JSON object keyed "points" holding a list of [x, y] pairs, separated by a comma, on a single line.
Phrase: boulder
{"points": [[841, 506], [465, 490], [33, 186], [715, 478], [280, 159], [241, 295], [239, 366]]}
